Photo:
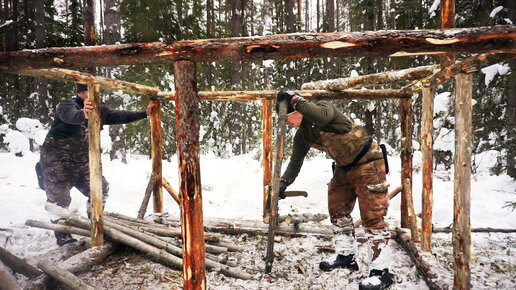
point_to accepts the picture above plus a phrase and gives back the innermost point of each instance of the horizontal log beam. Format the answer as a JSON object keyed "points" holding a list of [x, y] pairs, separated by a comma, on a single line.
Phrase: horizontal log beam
{"points": [[284, 46], [405, 75]]}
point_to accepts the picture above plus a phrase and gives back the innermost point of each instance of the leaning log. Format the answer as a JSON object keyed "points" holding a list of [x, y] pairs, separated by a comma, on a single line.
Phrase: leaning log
{"points": [[389, 77], [18, 265], [146, 196], [284, 46], [435, 275], [170, 190], [7, 279], [63, 276]]}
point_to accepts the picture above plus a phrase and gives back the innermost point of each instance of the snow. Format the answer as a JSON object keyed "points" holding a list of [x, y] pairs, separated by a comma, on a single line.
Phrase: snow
{"points": [[441, 102], [434, 7], [495, 11], [492, 70], [236, 193]]}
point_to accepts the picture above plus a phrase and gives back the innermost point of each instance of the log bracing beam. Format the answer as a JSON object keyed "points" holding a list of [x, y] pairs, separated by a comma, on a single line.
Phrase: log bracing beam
{"points": [[284, 46]]}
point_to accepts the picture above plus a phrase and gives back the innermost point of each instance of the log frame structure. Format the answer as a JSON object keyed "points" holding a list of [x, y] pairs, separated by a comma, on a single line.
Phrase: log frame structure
{"points": [[495, 43]]}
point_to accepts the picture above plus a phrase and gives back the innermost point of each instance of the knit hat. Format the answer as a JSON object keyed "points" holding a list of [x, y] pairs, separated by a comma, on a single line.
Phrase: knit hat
{"points": [[81, 88]]}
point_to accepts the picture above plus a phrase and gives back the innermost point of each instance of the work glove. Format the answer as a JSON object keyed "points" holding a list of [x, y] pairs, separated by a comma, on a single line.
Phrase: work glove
{"points": [[282, 187], [286, 95]]}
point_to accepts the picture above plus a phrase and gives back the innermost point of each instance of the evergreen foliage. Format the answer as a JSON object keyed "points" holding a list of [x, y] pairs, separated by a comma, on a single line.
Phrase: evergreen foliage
{"points": [[229, 128]]}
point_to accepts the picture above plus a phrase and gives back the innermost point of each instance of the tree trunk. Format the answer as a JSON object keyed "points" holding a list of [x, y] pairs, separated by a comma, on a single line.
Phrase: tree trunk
{"points": [[157, 156], [290, 19], [330, 9], [266, 151], [41, 83], [510, 93], [406, 158]]}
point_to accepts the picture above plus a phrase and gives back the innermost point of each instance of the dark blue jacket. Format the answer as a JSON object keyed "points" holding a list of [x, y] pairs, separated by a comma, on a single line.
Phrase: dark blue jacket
{"points": [[70, 116]]}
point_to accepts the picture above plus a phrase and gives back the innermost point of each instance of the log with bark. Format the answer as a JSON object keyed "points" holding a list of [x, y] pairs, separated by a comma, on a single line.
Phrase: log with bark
{"points": [[283, 46], [170, 190], [63, 276], [18, 265], [7, 279], [435, 275]]}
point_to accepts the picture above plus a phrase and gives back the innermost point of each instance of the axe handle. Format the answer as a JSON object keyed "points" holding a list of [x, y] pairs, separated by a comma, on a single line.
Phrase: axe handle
{"points": [[291, 193]]}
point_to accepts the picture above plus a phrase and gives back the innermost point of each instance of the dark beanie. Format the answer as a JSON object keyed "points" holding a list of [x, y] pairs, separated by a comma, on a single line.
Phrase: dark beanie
{"points": [[81, 88]]}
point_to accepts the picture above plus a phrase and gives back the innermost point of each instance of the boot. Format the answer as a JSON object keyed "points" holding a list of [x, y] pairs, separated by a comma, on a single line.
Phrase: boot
{"points": [[347, 262], [377, 280], [62, 238], [39, 174]]}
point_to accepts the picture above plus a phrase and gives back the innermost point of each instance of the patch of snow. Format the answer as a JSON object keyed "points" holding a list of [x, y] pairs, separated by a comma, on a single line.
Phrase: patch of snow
{"points": [[495, 11], [492, 70]]}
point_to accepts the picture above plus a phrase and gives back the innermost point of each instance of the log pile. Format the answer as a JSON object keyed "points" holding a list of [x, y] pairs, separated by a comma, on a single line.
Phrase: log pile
{"points": [[147, 237]]}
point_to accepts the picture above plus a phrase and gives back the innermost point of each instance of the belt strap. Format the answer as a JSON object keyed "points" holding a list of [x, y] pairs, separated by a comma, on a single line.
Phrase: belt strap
{"points": [[366, 148]]}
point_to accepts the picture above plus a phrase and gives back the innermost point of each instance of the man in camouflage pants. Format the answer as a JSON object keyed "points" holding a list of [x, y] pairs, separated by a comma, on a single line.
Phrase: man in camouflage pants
{"points": [[359, 172], [64, 156]]}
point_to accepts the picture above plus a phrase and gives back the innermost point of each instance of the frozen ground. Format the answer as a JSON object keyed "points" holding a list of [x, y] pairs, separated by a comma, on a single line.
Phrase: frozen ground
{"points": [[237, 194]]}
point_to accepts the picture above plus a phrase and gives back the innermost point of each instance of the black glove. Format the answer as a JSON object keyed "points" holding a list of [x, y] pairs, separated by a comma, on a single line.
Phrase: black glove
{"points": [[282, 187], [286, 95]]}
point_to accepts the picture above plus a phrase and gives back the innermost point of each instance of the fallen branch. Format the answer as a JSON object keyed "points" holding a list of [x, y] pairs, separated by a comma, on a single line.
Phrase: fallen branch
{"points": [[63, 276], [7, 279], [436, 276], [18, 265]]}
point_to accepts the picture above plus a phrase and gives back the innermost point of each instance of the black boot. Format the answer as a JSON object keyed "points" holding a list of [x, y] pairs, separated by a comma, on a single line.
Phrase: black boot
{"points": [[340, 262], [377, 280], [39, 174], [63, 238]]}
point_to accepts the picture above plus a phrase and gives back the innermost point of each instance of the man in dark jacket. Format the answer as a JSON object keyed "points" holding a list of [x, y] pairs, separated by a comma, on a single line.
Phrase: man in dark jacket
{"points": [[359, 172], [64, 156]]}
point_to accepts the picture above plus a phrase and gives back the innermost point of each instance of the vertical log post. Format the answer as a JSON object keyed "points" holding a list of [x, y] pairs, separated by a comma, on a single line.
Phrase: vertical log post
{"points": [[447, 21], [406, 158], [267, 152], [187, 131], [97, 225], [427, 162], [156, 155], [462, 182]]}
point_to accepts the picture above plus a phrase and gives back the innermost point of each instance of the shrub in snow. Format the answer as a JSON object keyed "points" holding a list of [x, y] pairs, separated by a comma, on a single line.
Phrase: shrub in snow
{"points": [[28, 127], [17, 143]]}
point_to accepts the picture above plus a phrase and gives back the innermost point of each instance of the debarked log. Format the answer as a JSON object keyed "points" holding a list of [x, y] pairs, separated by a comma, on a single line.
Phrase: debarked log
{"points": [[58, 228], [435, 275], [159, 255], [63, 276], [389, 77], [236, 227]]}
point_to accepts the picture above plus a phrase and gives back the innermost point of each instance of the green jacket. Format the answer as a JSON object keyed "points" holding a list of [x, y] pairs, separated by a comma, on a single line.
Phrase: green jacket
{"points": [[325, 128]]}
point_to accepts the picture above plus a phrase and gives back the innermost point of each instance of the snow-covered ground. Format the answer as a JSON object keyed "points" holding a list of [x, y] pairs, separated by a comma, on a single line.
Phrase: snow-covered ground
{"points": [[236, 193]]}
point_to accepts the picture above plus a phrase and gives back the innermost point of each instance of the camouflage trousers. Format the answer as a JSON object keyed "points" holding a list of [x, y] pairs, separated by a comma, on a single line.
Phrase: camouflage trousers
{"points": [[367, 183], [65, 165]]}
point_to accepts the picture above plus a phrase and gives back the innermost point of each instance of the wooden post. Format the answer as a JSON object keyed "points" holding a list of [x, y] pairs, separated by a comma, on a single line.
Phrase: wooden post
{"points": [[406, 158], [156, 155], [273, 220], [447, 21], [267, 152], [462, 182], [427, 164], [187, 131], [97, 226]]}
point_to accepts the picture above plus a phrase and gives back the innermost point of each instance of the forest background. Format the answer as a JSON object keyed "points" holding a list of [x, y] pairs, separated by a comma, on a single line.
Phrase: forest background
{"points": [[234, 128]]}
